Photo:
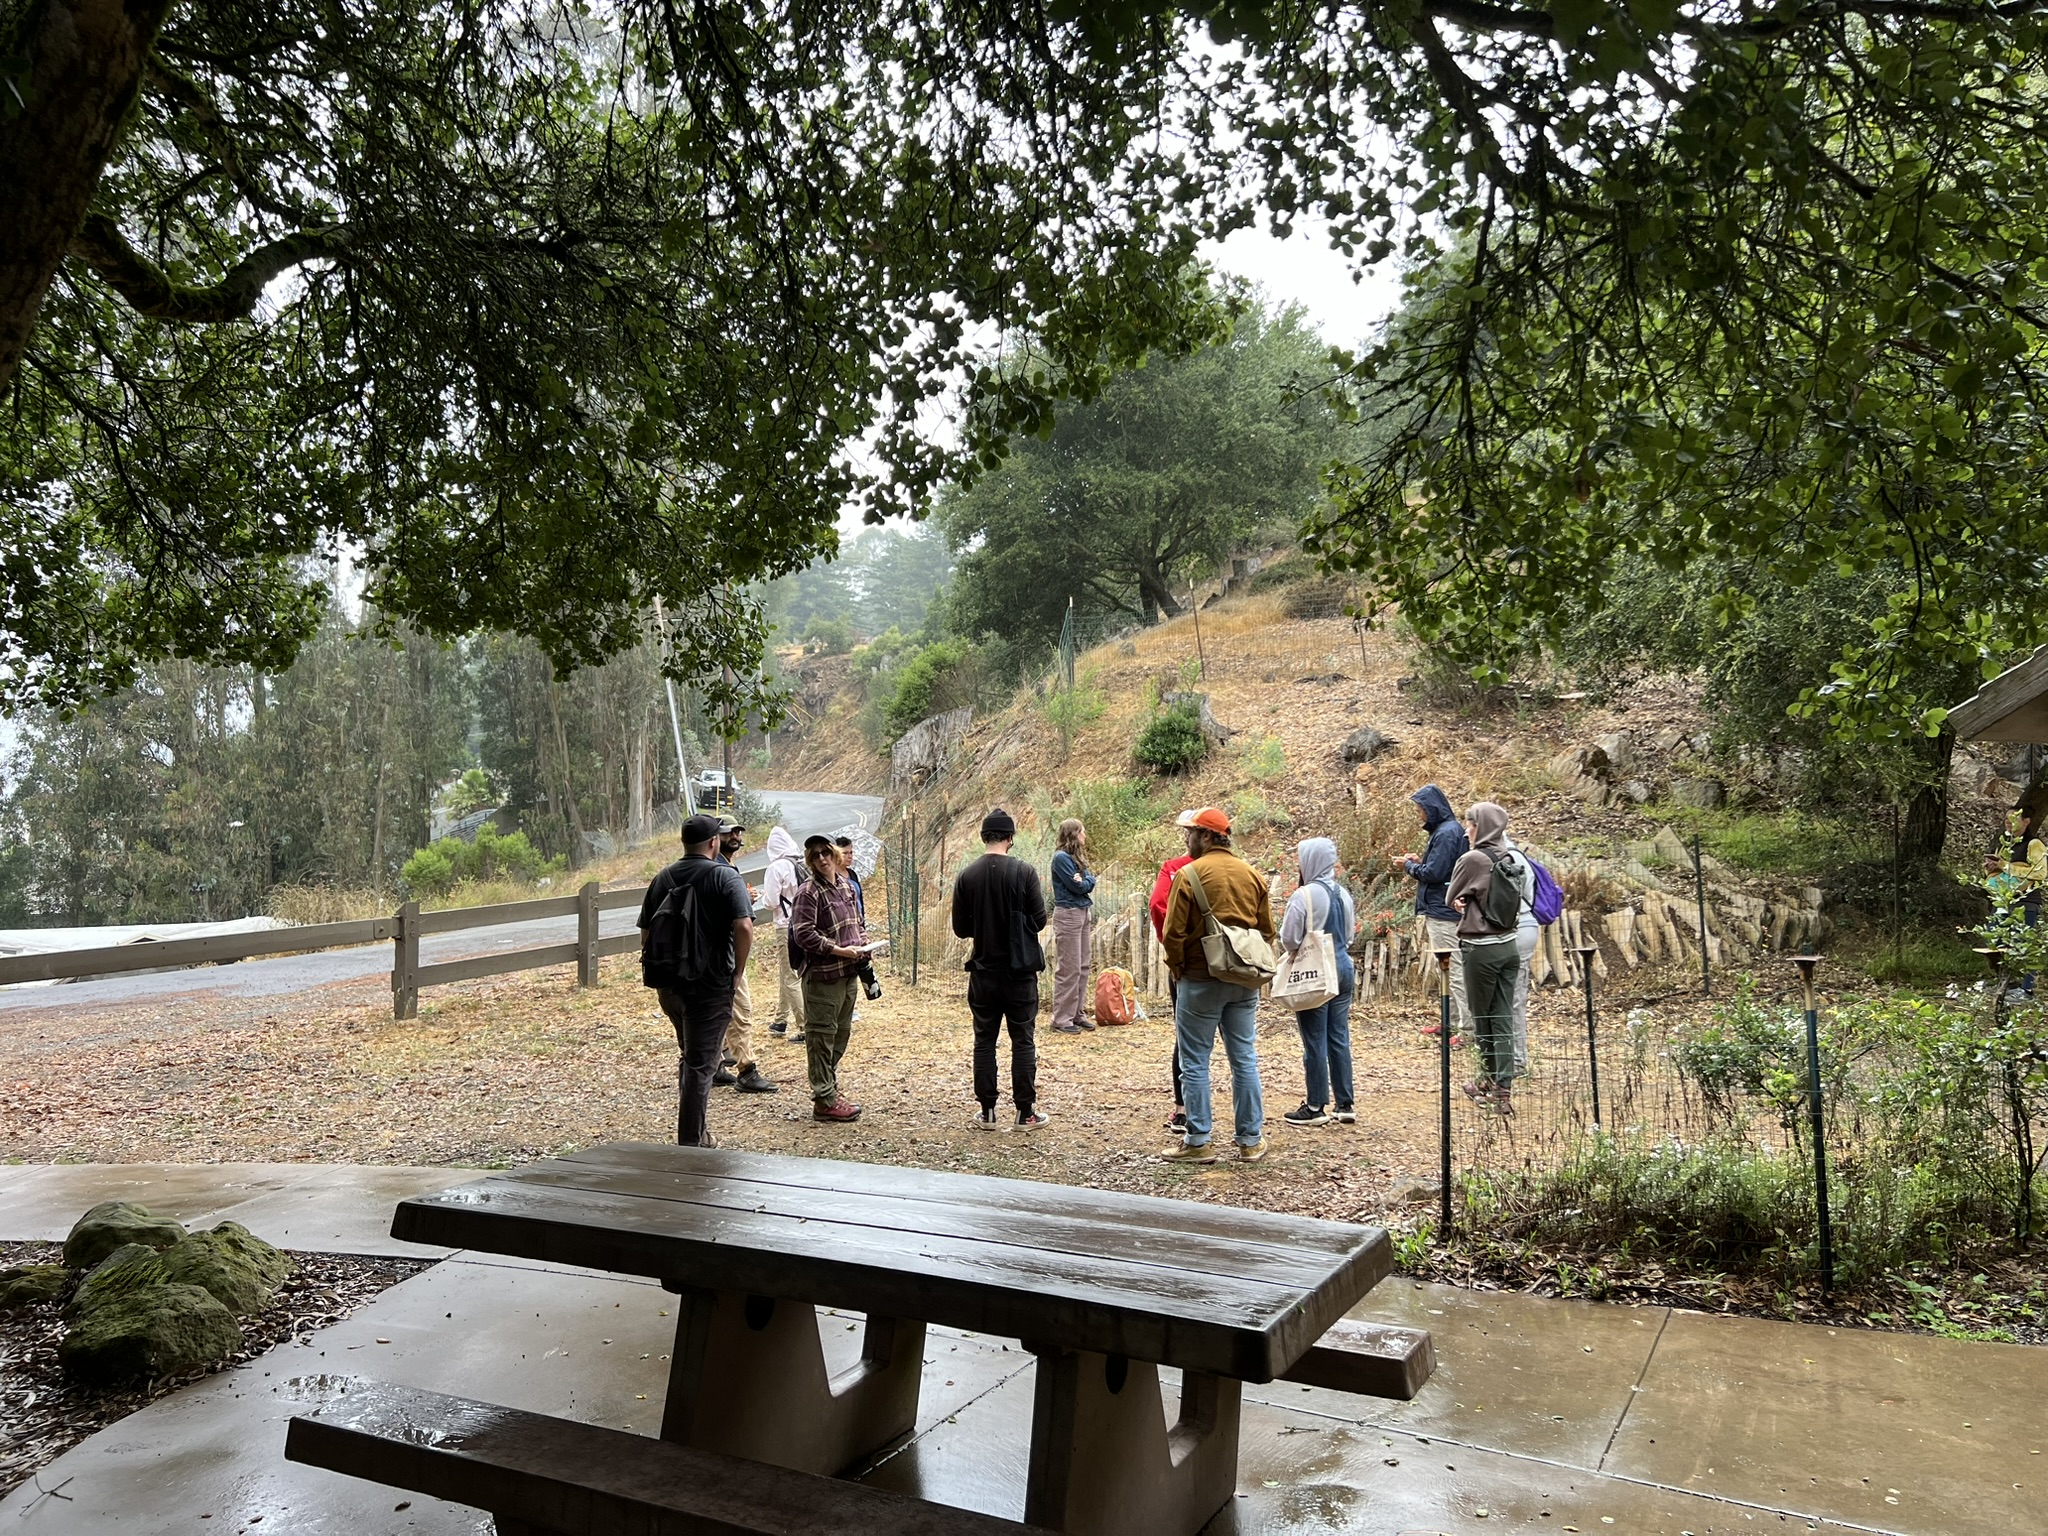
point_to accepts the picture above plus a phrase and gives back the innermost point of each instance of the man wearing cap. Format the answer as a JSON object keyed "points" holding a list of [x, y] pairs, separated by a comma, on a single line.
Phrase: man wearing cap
{"points": [[1205, 1007], [825, 927], [998, 904], [724, 936], [739, 1069]]}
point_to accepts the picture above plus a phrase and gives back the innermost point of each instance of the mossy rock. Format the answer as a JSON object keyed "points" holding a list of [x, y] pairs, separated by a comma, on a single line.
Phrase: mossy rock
{"points": [[147, 1331], [112, 1223], [130, 1267], [240, 1270], [27, 1285]]}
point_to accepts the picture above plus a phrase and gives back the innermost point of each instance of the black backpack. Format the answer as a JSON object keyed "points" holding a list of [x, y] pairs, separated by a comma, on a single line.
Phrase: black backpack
{"points": [[674, 953], [1502, 904]]}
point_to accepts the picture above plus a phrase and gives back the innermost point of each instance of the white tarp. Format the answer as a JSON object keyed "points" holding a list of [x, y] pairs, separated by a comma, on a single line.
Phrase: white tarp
{"points": [[41, 941]]}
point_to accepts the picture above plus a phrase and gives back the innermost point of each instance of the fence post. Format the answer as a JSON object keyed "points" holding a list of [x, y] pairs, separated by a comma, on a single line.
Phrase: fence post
{"points": [[586, 934], [405, 963], [1586, 952], [1806, 964], [1443, 1037], [1699, 882]]}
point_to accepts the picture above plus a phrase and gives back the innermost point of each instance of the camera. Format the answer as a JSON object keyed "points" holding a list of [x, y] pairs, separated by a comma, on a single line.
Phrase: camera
{"points": [[870, 984]]}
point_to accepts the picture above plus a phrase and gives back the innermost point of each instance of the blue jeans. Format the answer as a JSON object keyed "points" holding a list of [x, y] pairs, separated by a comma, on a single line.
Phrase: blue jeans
{"points": [[1202, 1009], [1326, 1045]]}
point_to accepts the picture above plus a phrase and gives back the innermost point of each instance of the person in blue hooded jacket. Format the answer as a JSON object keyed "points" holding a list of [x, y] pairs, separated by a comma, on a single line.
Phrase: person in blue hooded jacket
{"points": [[1432, 876]]}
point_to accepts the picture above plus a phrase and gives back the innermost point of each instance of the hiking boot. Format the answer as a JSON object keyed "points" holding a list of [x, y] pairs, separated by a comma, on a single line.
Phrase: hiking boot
{"points": [[1205, 1153], [724, 1077], [838, 1112], [985, 1119], [1031, 1119], [1177, 1122], [1346, 1115], [1308, 1114], [1252, 1153], [778, 1030], [751, 1081]]}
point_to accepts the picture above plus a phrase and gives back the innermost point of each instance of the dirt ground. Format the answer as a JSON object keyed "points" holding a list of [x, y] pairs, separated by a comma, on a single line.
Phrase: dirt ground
{"points": [[514, 1068]]}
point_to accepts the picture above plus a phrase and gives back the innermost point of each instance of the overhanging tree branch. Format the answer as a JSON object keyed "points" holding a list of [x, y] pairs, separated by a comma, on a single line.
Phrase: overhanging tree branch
{"points": [[152, 292]]}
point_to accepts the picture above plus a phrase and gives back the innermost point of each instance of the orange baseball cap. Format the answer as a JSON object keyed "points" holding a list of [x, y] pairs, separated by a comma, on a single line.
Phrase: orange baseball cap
{"points": [[1208, 818]]}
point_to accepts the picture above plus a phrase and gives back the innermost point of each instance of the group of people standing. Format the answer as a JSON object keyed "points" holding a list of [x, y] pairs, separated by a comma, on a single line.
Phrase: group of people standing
{"points": [[1476, 892]]}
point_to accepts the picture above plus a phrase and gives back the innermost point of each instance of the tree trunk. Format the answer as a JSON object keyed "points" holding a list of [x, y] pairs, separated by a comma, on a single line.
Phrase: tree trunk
{"points": [[85, 61], [1926, 826], [1157, 595]]}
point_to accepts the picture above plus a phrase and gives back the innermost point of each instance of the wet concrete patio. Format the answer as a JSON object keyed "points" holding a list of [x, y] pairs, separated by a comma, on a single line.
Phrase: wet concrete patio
{"points": [[1544, 1415]]}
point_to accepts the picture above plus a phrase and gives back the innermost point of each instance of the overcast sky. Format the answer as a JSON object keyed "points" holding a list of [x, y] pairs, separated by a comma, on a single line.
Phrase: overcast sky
{"points": [[1304, 270]]}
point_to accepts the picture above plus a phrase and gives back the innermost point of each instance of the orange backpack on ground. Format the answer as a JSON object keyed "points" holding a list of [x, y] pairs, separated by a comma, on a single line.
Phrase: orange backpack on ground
{"points": [[1116, 997]]}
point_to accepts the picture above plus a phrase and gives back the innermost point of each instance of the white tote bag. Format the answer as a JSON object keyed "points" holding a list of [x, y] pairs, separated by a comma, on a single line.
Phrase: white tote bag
{"points": [[1308, 977]]}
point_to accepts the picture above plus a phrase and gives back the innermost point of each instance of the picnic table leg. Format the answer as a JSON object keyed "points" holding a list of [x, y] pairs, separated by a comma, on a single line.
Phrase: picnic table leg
{"points": [[1104, 1462], [748, 1378]]}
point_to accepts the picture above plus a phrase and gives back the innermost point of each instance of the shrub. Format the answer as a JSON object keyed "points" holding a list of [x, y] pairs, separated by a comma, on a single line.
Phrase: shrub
{"points": [[474, 791], [1120, 815], [1172, 742], [1073, 710], [439, 867], [942, 676], [830, 637], [1265, 760]]}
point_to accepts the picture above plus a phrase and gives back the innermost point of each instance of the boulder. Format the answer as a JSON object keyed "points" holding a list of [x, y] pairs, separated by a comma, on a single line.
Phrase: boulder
{"points": [[27, 1285], [1703, 794], [1635, 791], [128, 1267], [1414, 1191], [112, 1223], [240, 1271], [1363, 745], [149, 1331], [1619, 748]]}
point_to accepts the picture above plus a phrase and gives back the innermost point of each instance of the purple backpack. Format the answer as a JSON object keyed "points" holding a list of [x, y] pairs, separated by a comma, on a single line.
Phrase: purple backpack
{"points": [[1549, 901]]}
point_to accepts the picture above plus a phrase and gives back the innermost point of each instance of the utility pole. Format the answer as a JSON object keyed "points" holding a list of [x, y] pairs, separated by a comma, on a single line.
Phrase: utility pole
{"points": [[675, 721]]}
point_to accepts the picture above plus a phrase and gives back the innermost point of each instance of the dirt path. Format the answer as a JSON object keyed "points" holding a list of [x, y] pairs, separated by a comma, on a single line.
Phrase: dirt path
{"points": [[506, 1070]]}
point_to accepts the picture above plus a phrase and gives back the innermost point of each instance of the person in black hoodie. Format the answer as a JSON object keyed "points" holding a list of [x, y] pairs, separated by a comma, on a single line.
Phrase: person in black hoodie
{"points": [[1432, 876], [998, 903]]}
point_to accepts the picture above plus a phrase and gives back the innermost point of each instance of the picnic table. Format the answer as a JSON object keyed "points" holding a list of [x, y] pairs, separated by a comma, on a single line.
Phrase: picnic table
{"points": [[1104, 1288]]}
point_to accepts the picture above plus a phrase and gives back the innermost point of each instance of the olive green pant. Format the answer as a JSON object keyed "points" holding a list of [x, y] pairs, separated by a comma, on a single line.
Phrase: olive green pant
{"points": [[828, 1025]]}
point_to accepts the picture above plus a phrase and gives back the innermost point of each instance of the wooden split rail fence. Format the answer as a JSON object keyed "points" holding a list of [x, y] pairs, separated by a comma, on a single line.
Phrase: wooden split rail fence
{"points": [[405, 928]]}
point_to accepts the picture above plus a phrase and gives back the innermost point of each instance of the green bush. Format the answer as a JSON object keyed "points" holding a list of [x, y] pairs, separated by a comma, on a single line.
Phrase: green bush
{"points": [[1121, 816], [1172, 742], [442, 865], [945, 675], [1073, 710], [474, 791], [1265, 760], [831, 637]]}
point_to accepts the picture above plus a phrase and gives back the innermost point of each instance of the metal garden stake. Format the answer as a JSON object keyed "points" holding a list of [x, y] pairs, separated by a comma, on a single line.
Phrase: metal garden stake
{"points": [[1699, 882]]}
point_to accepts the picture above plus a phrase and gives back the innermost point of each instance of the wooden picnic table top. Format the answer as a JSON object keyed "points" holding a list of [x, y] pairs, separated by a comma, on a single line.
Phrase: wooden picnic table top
{"points": [[1204, 1287]]}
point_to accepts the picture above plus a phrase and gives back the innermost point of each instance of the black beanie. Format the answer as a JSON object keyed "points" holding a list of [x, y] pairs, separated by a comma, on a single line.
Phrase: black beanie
{"points": [[998, 826]]}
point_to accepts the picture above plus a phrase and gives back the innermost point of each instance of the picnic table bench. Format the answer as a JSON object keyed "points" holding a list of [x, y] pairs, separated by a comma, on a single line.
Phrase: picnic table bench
{"points": [[1104, 1288]]}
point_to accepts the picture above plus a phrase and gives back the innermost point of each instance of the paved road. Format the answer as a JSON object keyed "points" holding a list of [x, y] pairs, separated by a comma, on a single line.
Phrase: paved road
{"points": [[803, 812]]}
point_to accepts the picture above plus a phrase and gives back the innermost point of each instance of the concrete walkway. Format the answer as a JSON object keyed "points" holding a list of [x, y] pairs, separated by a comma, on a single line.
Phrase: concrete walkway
{"points": [[1544, 1415]]}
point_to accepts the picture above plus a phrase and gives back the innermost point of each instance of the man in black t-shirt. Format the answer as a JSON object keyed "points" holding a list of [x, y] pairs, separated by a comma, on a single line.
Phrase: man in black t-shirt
{"points": [[998, 903], [701, 1009]]}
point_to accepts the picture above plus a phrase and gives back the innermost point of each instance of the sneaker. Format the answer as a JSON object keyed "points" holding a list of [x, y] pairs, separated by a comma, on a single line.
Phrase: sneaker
{"points": [[728, 1060], [1308, 1114], [985, 1119], [1184, 1153], [723, 1078], [778, 1030], [1066, 1029], [1434, 1030], [1087, 1024], [1031, 1119], [1346, 1115], [838, 1112], [1177, 1122], [1252, 1153], [751, 1081], [795, 1037]]}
